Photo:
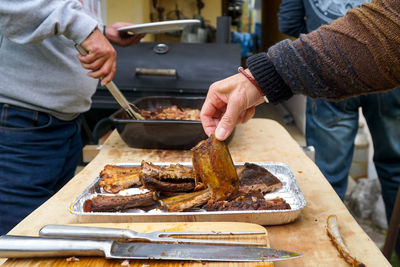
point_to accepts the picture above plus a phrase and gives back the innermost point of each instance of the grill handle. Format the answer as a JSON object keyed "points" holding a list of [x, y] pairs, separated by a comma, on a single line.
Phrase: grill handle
{"points": [[156, 72]]}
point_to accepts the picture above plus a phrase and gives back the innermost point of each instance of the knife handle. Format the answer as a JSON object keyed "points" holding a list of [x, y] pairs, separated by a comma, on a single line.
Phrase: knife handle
{"points": [[71, 231], [29, 246], [115, 92]]}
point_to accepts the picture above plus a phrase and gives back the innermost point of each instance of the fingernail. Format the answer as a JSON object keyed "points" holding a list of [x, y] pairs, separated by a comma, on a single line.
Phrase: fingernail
{"points": [[221, 133]]}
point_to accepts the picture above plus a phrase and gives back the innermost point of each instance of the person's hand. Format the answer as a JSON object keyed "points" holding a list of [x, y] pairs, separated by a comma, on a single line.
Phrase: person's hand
{"points": [[101, 57], [122, 38], [229, 102]]}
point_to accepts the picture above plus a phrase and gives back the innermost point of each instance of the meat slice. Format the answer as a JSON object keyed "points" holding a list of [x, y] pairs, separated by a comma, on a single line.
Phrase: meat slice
{"points": [[174, 171], [116, 178], [117, 203], [256, 178], [253, 200], [213, 163], [186, 201], [157, 185]]}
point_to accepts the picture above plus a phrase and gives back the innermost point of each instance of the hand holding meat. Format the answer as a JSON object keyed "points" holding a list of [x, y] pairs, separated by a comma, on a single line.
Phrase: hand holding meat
{"points": [[101, 59], [229, 102]]}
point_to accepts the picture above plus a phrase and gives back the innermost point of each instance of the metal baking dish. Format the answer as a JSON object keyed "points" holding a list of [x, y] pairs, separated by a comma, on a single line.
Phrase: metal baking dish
{"points": [[160, 134], [290, 192]]}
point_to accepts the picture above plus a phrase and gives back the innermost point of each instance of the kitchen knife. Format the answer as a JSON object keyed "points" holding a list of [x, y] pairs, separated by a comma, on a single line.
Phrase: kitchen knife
{"points": [[28, 247], [116, 93]]}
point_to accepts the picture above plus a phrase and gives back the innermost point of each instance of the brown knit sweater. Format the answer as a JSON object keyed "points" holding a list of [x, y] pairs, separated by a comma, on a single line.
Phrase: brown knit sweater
{"points": [[356, 54]]}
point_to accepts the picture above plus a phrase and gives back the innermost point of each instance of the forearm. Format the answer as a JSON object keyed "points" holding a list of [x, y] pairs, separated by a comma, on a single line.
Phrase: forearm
{"points": [[31, 21], [356, 54]]}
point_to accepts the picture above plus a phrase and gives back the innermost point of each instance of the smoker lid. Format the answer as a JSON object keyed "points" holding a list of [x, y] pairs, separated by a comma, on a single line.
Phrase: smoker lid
{"points": [[196, 65]]}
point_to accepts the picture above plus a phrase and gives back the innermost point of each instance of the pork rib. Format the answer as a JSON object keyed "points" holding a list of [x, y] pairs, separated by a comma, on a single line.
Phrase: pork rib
{"points": [[115, 178], [116, 203], [256, 178]]}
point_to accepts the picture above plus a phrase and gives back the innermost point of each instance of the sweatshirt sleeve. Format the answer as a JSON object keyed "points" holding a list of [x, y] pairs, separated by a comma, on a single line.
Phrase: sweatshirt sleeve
{"points": [[32, 21], [356, 54], [291, 18]]}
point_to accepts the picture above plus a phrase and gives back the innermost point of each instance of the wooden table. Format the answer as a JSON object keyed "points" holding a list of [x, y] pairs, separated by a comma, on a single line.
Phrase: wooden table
{"points": [[257, 140]]}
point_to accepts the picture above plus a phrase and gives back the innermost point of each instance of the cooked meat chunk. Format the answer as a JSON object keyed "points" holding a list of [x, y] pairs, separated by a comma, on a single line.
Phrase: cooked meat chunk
{"points": [[213, 163], [176, 171], [253, 177], [157, 185], [115, 178], [186, 201], [253, 200], [116, 203]]}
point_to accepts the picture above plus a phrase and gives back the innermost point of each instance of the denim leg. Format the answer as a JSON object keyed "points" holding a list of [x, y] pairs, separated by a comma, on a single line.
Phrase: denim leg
{"points": [[382, 112], [38, 154], [331, 128]]}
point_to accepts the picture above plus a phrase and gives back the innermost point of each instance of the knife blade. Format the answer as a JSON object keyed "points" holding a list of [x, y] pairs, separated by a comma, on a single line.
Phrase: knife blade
{"points": [[28, 246]]}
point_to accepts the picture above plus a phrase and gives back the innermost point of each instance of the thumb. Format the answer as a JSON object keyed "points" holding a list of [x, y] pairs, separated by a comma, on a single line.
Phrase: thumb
{"points": [[228, 121]]}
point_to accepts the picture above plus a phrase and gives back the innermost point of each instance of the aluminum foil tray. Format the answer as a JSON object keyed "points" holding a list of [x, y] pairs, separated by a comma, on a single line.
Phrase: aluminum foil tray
{"points": [[290, 192]]}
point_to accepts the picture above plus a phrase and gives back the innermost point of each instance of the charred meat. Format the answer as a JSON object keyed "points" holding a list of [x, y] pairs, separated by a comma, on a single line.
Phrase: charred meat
{"points": [[117, 203], [256, 178], [157, 185], [253, 200]]}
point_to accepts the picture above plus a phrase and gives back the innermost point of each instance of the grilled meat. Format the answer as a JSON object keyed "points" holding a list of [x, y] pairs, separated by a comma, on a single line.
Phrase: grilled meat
{"points": [[186, 201], [157, 185], [253, 177], [253, 200], [171, 113], [213, 163], [116, 203], [176, 172], [116, 178]]}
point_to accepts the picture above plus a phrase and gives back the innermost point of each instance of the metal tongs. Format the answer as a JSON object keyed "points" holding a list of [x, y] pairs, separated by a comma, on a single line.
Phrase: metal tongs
{"points": [[116, 93], [87, 232]]}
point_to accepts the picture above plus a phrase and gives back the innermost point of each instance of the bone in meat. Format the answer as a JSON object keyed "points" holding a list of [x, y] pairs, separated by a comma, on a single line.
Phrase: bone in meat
{"points": [[115, 203], [186, 201], [116, 178], [213, 163], [157, 185], [176, 172]]}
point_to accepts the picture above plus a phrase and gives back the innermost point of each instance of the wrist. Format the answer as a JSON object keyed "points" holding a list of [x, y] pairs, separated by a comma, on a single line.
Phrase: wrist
{"points": [[247, 73]]}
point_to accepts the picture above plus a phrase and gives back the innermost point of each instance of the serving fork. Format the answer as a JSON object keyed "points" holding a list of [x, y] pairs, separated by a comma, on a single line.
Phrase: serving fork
{"points": [[88, 232]]}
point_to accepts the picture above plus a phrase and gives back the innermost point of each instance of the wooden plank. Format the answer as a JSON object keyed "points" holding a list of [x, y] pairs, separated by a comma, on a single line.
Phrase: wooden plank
{"points": [[151, 227], [89, 152]]}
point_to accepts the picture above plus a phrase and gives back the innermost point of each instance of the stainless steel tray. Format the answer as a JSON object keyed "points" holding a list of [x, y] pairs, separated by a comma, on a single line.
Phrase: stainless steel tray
{"points": [[290, 192]]}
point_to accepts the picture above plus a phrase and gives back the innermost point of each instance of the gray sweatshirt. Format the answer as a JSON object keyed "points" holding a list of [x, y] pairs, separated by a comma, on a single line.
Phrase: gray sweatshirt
{"points": [[39, 68]]}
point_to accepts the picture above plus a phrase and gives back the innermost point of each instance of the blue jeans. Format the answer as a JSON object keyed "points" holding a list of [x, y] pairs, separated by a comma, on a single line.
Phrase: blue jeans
{"points": [[331, 128], [38, 155]]}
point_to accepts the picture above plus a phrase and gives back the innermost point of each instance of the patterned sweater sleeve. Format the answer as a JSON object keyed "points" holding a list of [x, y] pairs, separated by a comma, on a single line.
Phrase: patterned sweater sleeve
{"points": [[356, 54]]}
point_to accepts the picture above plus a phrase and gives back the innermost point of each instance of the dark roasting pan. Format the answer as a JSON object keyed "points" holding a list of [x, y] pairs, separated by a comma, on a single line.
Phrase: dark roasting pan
{"points": [[160, 134]]}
